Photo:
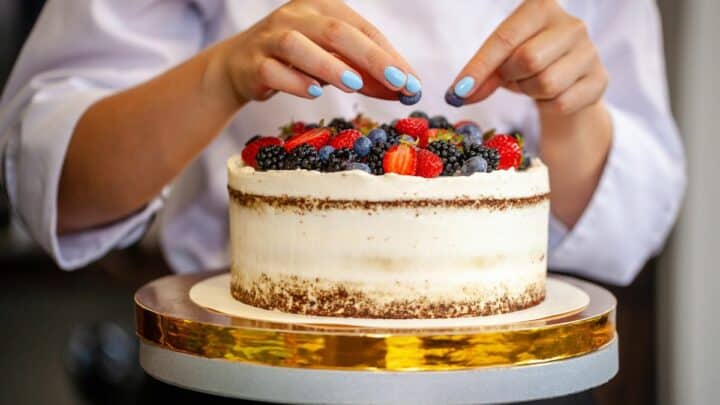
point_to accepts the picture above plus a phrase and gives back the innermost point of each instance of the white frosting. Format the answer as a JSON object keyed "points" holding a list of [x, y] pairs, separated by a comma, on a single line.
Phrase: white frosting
{"points": [[358, 185], [436, 253]]}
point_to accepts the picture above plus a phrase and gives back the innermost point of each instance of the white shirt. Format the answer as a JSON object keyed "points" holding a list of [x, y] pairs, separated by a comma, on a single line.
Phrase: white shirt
{"points": [[82, 51]]}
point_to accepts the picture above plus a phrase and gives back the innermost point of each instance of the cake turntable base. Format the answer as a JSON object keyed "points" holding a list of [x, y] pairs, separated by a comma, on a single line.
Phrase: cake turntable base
{"points": [[195, 348]]}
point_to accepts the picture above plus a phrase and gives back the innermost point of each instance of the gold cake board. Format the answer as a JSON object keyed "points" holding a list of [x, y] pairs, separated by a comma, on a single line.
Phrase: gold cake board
{"points": [[167, 318]]}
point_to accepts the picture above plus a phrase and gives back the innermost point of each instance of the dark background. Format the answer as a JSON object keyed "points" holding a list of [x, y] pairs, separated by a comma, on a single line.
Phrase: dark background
{"points": [[43, 308]]}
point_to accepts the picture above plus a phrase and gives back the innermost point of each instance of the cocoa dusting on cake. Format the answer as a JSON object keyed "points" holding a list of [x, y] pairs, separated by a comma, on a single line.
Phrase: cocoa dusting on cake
{"points": [[298, 296], [323, 204]]}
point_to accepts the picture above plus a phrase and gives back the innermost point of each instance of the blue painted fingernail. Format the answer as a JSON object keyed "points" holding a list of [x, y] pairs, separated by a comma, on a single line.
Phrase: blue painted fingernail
{"points": [[413, 84], [463, 87], [351, 80], [315, 90], [395, 76]]}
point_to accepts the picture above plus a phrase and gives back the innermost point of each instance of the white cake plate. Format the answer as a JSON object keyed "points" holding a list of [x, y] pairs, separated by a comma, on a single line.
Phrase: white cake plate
{"points": [[561, 299], [199, 349]]}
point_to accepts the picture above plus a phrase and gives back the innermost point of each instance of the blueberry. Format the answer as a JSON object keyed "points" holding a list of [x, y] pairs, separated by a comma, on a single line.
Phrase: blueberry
{"points": [[419, 114], [474, 165], [362, 146], [439, 121], [325, 152], [359, 166], [410, 100], [453, 99], [377, 135], [471, 134], [408, 140]]}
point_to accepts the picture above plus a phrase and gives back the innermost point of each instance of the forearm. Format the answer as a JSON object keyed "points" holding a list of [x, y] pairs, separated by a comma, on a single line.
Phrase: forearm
{"points": [[574, 147], [127, 147]]}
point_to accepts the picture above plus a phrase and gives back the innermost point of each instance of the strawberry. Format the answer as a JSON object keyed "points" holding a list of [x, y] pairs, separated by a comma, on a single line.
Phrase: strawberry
{"points": [[316, 137], [345, 139], [400, 159], [509, 150], [414, 127], [465, 122], [429, 165], [253, 146]]}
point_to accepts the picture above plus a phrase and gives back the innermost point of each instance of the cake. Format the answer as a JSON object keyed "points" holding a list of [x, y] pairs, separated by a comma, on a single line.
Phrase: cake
{"points": [[309, 239]]}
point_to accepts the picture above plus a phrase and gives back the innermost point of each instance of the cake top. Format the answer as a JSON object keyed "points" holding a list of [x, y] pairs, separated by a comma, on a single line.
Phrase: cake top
{"points": [[413, 146]]}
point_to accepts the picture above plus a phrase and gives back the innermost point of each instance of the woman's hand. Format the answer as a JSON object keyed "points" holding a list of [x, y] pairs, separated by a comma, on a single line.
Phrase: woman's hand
{"points": [[541, 51], [305, 44]]}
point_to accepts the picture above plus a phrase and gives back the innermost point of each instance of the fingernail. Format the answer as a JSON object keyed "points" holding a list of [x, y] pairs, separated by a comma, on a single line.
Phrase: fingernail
{"points": [[413, 84], [351, 80], [315, 90], [463, 87], [395, 76], [452, 99]]}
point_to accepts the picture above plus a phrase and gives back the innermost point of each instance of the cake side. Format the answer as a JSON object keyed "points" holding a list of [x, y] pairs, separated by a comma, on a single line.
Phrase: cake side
{"points": [[352, 244]]}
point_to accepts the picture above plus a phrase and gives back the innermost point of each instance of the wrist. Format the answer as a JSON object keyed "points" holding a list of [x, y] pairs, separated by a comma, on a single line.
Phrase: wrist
{"points": [[217, 79]]}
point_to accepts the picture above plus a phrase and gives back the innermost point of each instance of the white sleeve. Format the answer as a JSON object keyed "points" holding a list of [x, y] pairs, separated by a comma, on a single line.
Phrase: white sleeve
{"points": [[641, 188], [78, 53]]}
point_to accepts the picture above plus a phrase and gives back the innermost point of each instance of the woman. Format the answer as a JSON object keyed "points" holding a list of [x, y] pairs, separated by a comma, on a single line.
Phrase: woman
{"points": [[118, 109]]}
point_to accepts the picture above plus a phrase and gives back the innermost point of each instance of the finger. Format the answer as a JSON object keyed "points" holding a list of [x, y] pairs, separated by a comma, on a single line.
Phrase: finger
{"points": [[526, 21], [346, 40], [413, 84], [585, 92], [307, 56], [278, 76], [541, 51], [371, 87], [559, 76]]}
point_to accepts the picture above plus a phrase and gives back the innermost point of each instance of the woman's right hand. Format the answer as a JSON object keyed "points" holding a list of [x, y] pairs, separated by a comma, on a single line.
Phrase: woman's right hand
{"points": [[308, 43]]}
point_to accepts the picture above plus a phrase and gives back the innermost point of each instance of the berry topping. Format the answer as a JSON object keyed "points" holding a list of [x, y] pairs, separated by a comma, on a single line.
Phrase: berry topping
{"points": [[362, 146], [471, 133], [400, 159], [339, 160], [345, 139], [408, 140], [325, 151], [377, 135], [462, 123], [491, 156], [411, 99], [419, 114], [316, 137], [340, 124], [450, 155], [359, 166], [439, 121], [249, 153], [303, 157], [271, 157], [298, 127], [509, 150], [393, 137], [474, 165], [525, 162], [429, 165], [414, 127], [436, 134]]}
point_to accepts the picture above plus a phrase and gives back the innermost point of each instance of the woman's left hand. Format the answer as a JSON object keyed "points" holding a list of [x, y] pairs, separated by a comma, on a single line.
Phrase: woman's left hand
{"points": [[539, 50]]}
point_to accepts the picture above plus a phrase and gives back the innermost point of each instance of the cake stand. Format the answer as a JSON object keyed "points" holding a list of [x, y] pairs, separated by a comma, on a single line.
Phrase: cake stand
{"points": [[198, 349]]}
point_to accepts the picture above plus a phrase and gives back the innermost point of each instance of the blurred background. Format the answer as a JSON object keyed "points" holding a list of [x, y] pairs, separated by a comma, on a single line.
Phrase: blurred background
{"points": [[70, 337]]}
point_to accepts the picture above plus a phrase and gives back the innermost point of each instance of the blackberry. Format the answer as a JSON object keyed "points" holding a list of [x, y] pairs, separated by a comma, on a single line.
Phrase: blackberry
{"points": [[376, 156], [303, 157], [491, 156], [419, 114], [393, 137], [339, 160], [271, 157], [439, 122], [340, 124], [450, 155]]}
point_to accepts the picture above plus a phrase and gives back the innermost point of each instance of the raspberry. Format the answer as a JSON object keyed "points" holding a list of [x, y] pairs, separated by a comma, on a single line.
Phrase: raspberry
{"points": [[400, 159], [490, 155], [414, 127], [316, 137], [303, 157], [252, 147], [345, 139], [429, 165], [508, 149]]}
